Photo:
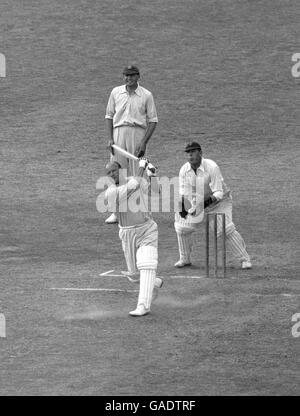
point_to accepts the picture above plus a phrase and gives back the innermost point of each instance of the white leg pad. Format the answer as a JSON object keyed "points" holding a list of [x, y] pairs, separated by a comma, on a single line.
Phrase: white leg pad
{"points": [[147, 280], [185, 245], [146, 258], [182, 225], [230, 227], [237, 246]]}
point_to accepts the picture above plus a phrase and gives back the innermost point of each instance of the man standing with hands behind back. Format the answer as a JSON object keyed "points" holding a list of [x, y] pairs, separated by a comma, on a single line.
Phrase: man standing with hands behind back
{"points": [[131, 119]]}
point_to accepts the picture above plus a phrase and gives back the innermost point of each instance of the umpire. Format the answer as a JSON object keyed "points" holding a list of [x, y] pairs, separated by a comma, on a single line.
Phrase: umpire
{"points": [[131, 119]]}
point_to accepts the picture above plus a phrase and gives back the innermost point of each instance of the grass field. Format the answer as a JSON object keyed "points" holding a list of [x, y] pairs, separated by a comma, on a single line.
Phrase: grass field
{"points": [[220, 72]]}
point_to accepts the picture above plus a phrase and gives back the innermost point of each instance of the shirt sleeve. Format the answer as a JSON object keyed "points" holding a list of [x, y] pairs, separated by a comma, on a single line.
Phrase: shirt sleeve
{"points": [[151, 109], [216, 183], [110, 108], [126, 190], [110, 197]]}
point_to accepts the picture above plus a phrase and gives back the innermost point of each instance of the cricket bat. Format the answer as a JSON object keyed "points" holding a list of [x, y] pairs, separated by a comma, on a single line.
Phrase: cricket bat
{"points": [[124, 152]]}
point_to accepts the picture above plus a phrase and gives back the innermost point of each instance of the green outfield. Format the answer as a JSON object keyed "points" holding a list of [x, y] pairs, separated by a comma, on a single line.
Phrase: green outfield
{"points": [[220, 73]]}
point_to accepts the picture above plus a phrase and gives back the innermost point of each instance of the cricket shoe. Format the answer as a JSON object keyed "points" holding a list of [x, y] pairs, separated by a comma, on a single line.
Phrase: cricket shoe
{"points": [[158, 282], [112, 219], [246, 265], [132, 277], [181, 263], [158, 285], [139, 311]]}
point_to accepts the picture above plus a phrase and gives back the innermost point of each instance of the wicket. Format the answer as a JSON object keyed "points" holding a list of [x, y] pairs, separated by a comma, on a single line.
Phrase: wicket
{"points": [[223, 237]]}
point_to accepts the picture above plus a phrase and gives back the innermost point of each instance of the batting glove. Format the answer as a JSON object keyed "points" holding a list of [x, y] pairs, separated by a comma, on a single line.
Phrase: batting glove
{"points": [[143, 163]]}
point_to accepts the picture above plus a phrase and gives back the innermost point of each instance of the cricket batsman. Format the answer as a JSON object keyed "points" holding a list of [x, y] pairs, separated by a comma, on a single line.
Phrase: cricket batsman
{"points": [[128, 197]]}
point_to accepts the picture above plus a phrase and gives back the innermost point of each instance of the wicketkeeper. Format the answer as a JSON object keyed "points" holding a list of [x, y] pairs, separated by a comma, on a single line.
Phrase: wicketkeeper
{"points": [[128, 197], [204, 174]]}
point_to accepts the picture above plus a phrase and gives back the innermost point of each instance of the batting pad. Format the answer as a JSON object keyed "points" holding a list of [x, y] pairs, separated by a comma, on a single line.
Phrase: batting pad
{"points": [[146, 258], [236, 244], [229, 229], [180, 229], [185, 245], [147, 281], [184, 225]]}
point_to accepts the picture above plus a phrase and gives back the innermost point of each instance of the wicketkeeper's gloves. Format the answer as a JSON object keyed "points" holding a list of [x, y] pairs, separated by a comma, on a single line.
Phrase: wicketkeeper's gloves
{"points": [[210, 200], [182, 211]]}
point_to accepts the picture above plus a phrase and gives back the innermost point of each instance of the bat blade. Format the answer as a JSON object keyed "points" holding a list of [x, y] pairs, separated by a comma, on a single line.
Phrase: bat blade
{"points": [[124, 152]]}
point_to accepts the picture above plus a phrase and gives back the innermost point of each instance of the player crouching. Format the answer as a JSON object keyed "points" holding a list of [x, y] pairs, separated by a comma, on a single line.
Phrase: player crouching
{"points": [[138, 231]]}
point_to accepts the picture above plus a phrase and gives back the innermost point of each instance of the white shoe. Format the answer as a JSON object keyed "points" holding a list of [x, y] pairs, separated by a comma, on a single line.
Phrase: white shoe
{"points": [[158, 284], [181, 263], [246, 265], [112, 219], [132, 277], [139, 311]]}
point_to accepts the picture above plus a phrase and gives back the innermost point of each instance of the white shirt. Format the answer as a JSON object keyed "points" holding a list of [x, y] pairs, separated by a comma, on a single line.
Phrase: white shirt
{"points": [[207, 179], [136, 109], [129, 201]]}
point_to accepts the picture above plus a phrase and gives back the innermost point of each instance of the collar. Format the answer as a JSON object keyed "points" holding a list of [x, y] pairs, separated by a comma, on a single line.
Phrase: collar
{"points": [[201, 167], [137, 91]]}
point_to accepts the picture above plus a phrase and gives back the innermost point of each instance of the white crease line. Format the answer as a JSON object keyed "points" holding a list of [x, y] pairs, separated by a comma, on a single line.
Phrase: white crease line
{"points": [[111, 275], [91, 289], [289, 294], [186, 277], [119, 275], [162, 277], [105, 273]]}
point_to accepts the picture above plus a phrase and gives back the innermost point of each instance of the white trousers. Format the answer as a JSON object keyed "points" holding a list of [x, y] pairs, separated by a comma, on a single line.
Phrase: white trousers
{"points": [[134, 237], [129, 138]]}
